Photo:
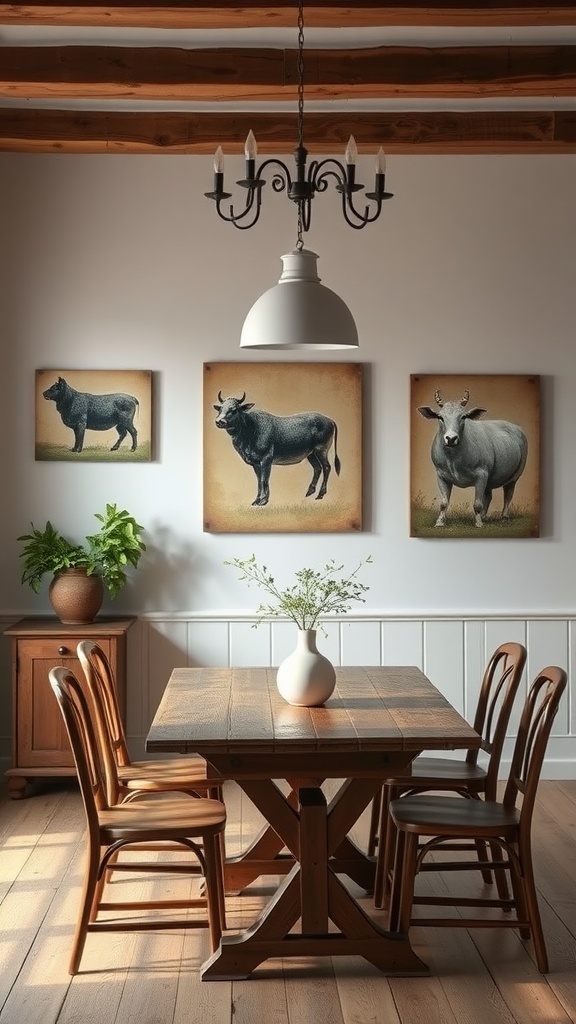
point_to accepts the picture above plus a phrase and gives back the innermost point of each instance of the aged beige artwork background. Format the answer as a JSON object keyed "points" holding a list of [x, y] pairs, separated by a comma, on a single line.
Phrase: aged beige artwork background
{"points": [[93, 415], [282, 447], [474, 455]]}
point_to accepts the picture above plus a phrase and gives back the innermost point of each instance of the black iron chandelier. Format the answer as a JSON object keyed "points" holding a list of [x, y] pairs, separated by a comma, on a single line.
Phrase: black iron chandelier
{"points": [[307, 181]]}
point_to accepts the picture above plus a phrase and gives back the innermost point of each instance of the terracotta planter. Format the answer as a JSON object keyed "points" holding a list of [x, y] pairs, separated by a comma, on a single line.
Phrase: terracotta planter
{"points": [[75, 597]]}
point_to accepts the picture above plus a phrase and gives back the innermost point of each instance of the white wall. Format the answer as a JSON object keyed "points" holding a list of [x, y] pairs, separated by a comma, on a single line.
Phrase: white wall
{"points": [[119, 261]]}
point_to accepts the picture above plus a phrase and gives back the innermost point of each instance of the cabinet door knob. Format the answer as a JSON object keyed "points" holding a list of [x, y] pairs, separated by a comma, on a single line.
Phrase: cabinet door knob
{"points": [[63, 650]]}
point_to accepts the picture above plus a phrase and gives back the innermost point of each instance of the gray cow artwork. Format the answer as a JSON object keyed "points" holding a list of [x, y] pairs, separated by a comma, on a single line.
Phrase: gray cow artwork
{"points": [[96, 415], [282, 447], [263, 440], [468, 453], [483, 454]]}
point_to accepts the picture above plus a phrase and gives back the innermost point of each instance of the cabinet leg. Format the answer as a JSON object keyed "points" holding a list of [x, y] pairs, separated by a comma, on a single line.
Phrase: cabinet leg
{"points": [[16, 786]]}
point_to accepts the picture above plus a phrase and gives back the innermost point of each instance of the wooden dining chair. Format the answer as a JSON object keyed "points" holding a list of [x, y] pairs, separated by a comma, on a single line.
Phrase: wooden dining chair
{"points": [[195, 825], [181, 774], [506, 826], [463, 776]]}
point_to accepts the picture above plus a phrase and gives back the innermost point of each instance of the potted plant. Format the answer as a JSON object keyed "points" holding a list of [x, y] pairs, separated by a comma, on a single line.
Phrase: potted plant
{"points": [[81, 571], [305, 678]]}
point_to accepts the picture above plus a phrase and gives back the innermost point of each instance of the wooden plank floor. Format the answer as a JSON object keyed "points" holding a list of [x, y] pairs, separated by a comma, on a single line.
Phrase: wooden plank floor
{"points": [[478, 976]]}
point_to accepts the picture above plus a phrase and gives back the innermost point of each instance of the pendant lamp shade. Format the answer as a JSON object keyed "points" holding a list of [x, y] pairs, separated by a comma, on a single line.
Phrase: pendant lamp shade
{"points": [[299, 312]]}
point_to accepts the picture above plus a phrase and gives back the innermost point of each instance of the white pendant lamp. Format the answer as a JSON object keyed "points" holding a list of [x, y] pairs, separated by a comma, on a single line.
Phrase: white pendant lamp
{"points": [[299, 311]]}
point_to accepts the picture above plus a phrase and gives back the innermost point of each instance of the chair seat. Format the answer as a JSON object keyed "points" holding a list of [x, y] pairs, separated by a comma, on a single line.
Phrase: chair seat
{"points": [[453, 817], [440, 772], [166, 775], [173, 819]]}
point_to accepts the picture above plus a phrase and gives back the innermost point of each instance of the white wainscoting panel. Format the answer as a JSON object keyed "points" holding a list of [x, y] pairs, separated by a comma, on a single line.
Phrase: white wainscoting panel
{"points": [[444, 659], [361, 643], [499, 632], [208, 643], [250, 646], [402, 642], [544, 640]]}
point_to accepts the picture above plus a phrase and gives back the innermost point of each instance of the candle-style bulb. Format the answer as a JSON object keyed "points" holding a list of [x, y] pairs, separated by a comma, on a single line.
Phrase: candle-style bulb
{"points": [[351, 153], [251, 147], [380, 162], [219, 161]]}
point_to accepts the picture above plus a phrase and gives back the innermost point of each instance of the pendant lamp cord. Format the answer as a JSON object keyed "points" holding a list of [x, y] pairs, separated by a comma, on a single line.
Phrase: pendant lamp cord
{"points": [[300, 68]]}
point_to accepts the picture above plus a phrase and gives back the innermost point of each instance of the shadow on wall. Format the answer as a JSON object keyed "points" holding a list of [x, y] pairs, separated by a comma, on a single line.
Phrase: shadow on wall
{"points": [[167, 574]]}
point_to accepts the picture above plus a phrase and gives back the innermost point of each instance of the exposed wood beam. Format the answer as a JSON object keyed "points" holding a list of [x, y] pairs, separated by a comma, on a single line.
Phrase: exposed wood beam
{"points": [[34, 131], [100, 72], [321, 13]]}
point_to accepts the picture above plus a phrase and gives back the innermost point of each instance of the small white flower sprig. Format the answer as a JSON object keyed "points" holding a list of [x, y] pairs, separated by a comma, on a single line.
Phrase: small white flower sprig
{"points": [[315, 593]]}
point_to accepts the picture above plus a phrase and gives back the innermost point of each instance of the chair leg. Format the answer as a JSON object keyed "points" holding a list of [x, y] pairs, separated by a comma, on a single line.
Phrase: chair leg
{"points": [[375, 819], [533, 911], [381, 802], [394, 901], [86, 907], [98, 891], [482, 855], [407, 882], [387, 847], [499, 875], [214, 888], [519, 894], [217, 793]]}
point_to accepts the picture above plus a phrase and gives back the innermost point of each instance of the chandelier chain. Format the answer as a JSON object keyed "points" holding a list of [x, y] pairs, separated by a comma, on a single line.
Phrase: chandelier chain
{"points": [[300, 74], [300, 68]]}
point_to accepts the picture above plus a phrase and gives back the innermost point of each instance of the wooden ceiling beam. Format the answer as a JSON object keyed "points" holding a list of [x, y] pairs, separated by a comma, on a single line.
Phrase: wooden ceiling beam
{"points": [[99, 72], [260, 13], [49, 131]]}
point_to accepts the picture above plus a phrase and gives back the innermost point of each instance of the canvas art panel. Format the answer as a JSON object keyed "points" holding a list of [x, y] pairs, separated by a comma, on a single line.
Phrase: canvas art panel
{"points": [[93, 415], [282, 447], [474, 455]]}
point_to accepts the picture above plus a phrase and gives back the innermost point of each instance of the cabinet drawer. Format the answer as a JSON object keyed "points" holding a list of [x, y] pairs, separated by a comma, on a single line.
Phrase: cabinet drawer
{"points": [[55, 649]]}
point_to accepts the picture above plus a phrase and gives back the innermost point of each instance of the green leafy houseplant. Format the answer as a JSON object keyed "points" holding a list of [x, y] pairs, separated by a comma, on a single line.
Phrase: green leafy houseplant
{"points": [[107, 553], [314, 594]]}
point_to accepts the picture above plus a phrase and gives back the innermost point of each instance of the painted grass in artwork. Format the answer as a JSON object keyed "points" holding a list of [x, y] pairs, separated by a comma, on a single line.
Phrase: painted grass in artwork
{"points": [[523, 521], [46, 452], [311, 515]]}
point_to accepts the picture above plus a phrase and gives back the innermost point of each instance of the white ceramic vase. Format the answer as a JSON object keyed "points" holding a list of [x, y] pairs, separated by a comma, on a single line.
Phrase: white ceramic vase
{"points": [[306, 678]]}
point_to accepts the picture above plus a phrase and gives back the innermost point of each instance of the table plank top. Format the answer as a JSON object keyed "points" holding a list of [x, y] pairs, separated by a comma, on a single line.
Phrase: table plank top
{"points": [[239, 710]]}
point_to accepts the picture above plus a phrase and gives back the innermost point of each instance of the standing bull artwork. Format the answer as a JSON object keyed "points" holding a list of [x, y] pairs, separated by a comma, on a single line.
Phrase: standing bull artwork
{"points": [[468, 453], [83, 411], [263, 440]]}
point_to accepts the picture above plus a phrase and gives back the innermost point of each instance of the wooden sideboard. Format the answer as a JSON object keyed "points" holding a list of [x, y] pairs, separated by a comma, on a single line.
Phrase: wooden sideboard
{"points": [[39, 742]]}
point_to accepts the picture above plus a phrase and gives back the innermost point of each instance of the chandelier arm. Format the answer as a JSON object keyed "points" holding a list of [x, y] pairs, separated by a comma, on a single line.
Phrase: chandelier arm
{"points": [[367, 217], [281, 175], [321, 170], [353, 218], [253, 199]]}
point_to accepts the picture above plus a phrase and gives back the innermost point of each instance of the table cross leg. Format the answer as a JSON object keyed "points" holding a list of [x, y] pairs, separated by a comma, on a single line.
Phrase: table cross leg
{"points": [[312, 892]]}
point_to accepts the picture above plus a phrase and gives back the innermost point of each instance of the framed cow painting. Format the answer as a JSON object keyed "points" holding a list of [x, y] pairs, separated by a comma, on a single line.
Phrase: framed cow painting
{"points": [[93, 415], [282, 447], [474, 455]]}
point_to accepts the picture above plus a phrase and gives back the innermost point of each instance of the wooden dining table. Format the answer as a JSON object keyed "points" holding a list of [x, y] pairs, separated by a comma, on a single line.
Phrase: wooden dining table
{"points": [[377, 720]]}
